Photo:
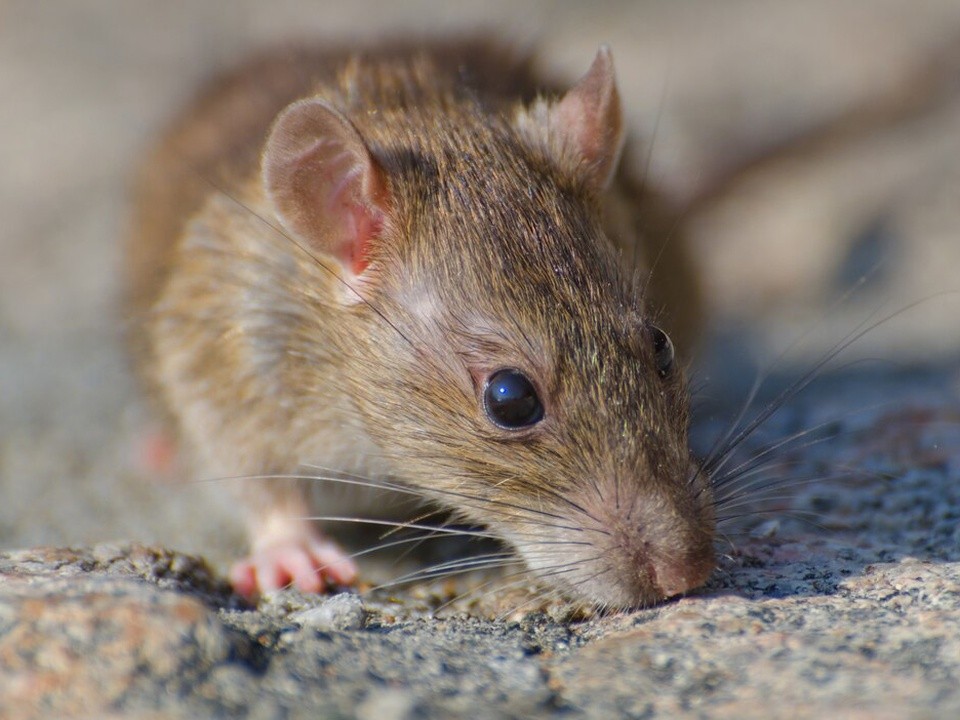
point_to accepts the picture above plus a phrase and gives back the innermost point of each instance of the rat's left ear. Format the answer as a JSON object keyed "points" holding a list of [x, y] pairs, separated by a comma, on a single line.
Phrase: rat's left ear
{"points": [[586, 122], [326, 186]]}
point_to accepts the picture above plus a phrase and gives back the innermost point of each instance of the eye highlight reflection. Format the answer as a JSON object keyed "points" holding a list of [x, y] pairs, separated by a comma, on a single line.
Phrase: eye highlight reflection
{"points": [[511, 401]]}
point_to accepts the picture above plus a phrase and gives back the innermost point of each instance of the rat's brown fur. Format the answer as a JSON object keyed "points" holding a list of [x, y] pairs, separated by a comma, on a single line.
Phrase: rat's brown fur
{"points": [[496, 253]]}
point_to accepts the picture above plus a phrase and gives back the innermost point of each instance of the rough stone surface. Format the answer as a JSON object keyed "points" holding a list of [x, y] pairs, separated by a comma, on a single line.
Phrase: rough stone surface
{"points": [[839, 590]]}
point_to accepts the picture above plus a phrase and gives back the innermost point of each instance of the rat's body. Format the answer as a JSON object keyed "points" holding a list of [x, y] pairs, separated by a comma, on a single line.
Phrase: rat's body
{"points": [[430, 275]]}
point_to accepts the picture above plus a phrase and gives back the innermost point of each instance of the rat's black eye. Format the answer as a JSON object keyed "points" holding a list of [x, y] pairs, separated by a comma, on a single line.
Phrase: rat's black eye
{"points": [[662, 350], [511, 401]]}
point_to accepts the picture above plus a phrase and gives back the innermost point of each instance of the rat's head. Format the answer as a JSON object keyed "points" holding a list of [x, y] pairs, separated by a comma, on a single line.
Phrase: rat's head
{"points": [[504, 357]]}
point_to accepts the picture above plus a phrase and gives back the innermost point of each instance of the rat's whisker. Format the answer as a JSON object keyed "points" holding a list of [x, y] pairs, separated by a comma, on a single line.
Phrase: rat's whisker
{"points": [[399, 524], [802, 516], [760, 493], [469, 500], [552, 592], [373, 484], [716, 454], [782, 444], [500, 584], [865, 326], [452, 568], [417, 539]]}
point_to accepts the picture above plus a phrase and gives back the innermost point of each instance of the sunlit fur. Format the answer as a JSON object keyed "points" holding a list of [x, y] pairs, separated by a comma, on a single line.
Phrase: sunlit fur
{"points": [[496, 253]]}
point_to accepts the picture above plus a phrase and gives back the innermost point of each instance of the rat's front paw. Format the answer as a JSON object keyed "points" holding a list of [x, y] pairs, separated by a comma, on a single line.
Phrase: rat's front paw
{"points": [[310, 564]]}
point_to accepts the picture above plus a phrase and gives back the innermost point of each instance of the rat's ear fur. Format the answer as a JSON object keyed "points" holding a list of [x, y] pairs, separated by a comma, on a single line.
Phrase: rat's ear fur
{"points": [[326, 187], [585, 126]]}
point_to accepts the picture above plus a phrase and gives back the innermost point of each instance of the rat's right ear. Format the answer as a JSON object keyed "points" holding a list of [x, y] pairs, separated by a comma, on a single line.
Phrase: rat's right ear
{"points": [[585, 126], [326, 187]]}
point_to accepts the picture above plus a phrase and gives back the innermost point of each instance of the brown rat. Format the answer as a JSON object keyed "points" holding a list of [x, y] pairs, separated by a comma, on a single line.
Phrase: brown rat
{"points": [[411, 264]]}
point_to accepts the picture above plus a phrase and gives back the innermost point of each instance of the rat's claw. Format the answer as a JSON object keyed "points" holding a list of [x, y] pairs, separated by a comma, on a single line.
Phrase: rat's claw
{"points": [[310, 564]]}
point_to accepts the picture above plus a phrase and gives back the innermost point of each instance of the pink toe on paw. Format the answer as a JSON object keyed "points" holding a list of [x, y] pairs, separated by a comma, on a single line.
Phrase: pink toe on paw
{"points": [[243, 578], [310, 564]]}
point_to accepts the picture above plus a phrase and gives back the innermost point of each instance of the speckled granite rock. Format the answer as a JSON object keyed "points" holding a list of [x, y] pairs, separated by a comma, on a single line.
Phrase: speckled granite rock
{"points": [[84, 632], [76, 641]]}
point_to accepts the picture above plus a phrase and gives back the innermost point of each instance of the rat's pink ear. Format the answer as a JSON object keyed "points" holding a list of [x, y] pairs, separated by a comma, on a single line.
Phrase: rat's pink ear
{"points": [[586, 122], [590, 119], [328, 190]]}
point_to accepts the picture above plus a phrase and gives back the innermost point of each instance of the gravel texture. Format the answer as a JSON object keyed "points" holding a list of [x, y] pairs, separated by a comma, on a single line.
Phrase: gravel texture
{"points": [[816, 147]]}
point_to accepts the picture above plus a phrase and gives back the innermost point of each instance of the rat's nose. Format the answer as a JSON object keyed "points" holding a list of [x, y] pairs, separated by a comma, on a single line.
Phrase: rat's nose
{"points": [[674, 577]]}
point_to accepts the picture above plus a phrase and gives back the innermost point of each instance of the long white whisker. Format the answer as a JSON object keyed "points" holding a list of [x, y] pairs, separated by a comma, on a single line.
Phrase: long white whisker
{"points": [[401, 525], [804, 381], [466, 565]]}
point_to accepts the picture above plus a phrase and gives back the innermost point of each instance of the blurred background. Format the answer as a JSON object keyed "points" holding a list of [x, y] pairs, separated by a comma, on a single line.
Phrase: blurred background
{"points": [[813, 147]]}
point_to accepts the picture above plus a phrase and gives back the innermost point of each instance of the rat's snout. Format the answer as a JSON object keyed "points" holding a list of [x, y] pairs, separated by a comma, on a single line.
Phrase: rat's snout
{"points": [[677, 575], [662, 555], [627, 552]]}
